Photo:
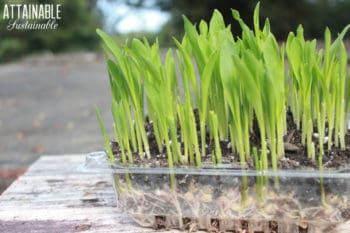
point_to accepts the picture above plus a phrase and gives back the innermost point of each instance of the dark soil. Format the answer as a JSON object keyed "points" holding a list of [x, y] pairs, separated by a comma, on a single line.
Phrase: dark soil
{"points": [[295, 153]]}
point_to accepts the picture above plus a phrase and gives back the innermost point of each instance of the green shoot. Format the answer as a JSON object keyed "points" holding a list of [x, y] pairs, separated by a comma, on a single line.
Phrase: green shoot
{"points": [[259, 179], [121, 129], [105, 136], [215, 133]]}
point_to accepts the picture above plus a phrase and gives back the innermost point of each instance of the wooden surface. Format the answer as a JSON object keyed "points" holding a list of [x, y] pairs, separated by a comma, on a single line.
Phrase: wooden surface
{"points": [[53, 196]]}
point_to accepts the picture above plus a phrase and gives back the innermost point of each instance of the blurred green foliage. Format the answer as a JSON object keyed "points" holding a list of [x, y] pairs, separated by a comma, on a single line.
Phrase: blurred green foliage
{"points": [[76, 30], [284, 15], [80, 18]]}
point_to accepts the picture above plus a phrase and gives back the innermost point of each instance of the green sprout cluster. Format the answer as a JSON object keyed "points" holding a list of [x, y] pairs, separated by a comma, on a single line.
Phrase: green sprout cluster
{"points": [[233, 83], [317, 93]]}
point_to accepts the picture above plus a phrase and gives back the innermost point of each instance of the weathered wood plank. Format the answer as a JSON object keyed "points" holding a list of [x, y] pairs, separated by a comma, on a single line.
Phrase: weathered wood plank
{"points": [[54, 196]]}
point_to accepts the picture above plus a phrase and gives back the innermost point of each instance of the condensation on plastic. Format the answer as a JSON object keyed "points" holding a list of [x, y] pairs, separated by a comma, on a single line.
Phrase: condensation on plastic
{"points": [[227, 198]]}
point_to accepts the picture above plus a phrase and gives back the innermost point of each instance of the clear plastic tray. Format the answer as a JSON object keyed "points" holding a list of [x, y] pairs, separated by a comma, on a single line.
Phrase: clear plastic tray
{"points": [[226, 198]]}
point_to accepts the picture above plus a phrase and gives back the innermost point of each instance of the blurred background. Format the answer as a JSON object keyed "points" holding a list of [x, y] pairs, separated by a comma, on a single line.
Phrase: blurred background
{"points": [[51, 80]]}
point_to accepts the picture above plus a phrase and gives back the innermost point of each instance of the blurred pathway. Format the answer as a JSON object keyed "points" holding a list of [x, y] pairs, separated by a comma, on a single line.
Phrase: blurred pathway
{"points": [[47, 107]]}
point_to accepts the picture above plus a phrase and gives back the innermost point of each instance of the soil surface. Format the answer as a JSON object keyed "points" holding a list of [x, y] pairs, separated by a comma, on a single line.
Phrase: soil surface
{"points": [[295, 153]]}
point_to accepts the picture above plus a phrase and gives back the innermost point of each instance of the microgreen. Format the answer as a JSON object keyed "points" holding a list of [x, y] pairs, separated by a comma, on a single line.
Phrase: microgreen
{"points": [[232, 87]]}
